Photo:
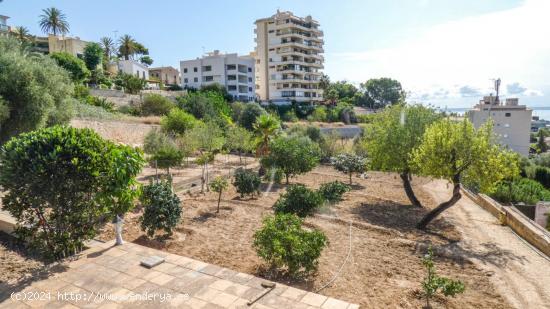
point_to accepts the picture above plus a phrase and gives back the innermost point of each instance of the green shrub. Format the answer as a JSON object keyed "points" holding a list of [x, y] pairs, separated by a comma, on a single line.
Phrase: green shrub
{"points": [[542, 175], [542, 159], [81, 91], [129, 110], [299, 200], [75, 66], [289, 116], [162, 208], [209, 106], [520, 190], [332, 191], [282, 242], [100, 102], [349, 163], [177, 122], [247, 182], [167, 156], [434, 283], [319, 114], [61, 184], [155, 140], [130, 83], [249, 114], [155, 104]]}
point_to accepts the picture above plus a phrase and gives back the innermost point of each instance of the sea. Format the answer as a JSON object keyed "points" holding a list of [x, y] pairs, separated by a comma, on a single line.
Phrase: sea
{"points": [[542, 112]]}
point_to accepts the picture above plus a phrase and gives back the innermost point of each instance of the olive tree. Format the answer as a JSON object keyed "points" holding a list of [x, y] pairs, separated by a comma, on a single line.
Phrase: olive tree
{"points": [[34, 91], [457, 152], [62, 182], [349, 163], [294, 155], [391, 138]]}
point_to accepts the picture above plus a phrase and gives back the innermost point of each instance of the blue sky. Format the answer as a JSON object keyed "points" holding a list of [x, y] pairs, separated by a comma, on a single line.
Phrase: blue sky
{"points": [[431, 46]]}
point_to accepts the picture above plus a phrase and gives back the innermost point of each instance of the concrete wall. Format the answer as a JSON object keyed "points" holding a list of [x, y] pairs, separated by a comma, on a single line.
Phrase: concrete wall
{"points": [[533, 233]]}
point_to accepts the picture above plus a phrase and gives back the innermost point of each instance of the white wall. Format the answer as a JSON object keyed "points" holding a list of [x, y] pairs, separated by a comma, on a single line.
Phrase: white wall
{"points": [[134, 68]]}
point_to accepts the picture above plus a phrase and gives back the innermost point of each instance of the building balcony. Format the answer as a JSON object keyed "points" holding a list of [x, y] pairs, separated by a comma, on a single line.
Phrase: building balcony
{"points": [[280, 26], [302, 45]]}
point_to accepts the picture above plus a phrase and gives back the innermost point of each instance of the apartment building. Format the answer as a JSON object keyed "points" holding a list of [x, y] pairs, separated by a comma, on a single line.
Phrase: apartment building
{"points": [[288, 58], [167, 75], [234, 72], [4, 28], [511, 121], [133, 67]]}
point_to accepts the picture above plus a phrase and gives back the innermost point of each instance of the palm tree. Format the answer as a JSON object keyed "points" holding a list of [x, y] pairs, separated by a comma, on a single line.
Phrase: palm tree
{"points": [[21, 33], [127, 46], [266, 127], [54, 21], [108, 46]]}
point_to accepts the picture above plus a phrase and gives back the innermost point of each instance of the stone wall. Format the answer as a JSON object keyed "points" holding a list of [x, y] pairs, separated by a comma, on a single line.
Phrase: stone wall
{"points": [[526, 228]]}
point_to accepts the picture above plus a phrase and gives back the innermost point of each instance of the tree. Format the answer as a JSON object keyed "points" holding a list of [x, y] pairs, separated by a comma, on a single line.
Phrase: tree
{"points": [[219, 184], [146, 60], [246, 182], [541, 142], [162, 208], [341, 91], [208, 106], [108, 46], [34, 91], [391, 138], [240, 139], [130, 83], [294, 155], [76, 67], [283, 243], [93, 54], [299, 200], [209, 140], [457, 152], [167, 156], [266, 127], [349, 163], [156, 104], [380, 92], [126, 46], [249, 114], [178, 122], [22, 34], [62, 183], [53, 21]]}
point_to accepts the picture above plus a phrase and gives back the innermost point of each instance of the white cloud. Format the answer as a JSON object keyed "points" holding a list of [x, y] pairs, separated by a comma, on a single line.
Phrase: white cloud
{"points": [[511, 44]]}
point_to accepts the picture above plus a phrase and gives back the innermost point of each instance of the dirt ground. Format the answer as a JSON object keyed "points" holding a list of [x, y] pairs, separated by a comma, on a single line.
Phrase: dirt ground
{"points": [[384, 267]]}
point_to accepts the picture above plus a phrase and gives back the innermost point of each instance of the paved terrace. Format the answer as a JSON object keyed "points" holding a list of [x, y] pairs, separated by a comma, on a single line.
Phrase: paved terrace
{"points": [[107, 276]]}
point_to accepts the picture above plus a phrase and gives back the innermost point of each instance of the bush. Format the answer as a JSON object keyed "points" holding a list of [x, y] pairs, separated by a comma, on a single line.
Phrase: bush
{"points": [[332, 191], [35, 91], [130, 83], [155, 104], [283, 243], [349, 163], [319, 114], [247, 182], [210, 106], [542, 159], [542, 175], [434, 283], [100, 102], [299, 200], [61, 184], [289, 116], [129, 110], [177, 122], [520, 190], [249, 114], [155, 140], [294, 155], [76, 67], [162, 208], [167, 156]]}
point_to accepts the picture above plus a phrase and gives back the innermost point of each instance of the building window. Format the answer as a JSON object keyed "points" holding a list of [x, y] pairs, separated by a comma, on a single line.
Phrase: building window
{"points": [[249, 69], [195, 69], [185, 80], [196, 79], [508, 115], [249, 89], [250, 79], [207, 68], [184, 70], [231, 67], [208, 78], [232, 88]]}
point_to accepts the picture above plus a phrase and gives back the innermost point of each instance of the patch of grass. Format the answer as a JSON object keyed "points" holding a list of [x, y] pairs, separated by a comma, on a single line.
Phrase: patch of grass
{"points": [[86, 111]]}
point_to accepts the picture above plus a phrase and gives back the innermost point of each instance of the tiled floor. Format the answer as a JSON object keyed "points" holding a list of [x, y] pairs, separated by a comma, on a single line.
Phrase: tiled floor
{"points": [[108, 276]]}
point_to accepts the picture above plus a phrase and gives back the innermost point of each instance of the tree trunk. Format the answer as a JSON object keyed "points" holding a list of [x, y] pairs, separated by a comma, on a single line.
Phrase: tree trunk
{"points": [[219, 199], [443, 206], [118, 230], [202, 178], [350, 182], [405, 176], [286, 175]]}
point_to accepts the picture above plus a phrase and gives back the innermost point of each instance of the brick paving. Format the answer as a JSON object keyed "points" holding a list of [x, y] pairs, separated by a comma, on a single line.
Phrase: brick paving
{"points": [[107, 276]]}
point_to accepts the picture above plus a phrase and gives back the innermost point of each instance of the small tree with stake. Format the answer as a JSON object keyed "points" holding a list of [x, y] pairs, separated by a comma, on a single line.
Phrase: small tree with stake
{"points": [[457, 152], [349, 163], [219, 184], [433, 283]]}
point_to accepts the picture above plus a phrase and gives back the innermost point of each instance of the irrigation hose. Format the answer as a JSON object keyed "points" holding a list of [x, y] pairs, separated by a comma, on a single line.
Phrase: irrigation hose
{"points": [[341, 267]]}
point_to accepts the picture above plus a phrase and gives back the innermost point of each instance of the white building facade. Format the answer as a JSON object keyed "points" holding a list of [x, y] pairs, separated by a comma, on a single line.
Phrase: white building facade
{"points": [[511, 121], [133, 67], [289, 58], [234, 72]]}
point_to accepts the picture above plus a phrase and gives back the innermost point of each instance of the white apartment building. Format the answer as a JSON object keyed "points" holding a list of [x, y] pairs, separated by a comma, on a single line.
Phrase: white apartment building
{"points": [[511, 121], [234, 72], [288, 58]]}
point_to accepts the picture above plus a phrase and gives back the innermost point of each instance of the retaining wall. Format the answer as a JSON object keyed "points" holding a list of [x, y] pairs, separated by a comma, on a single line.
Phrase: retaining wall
{"points": [[517, 221]]}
